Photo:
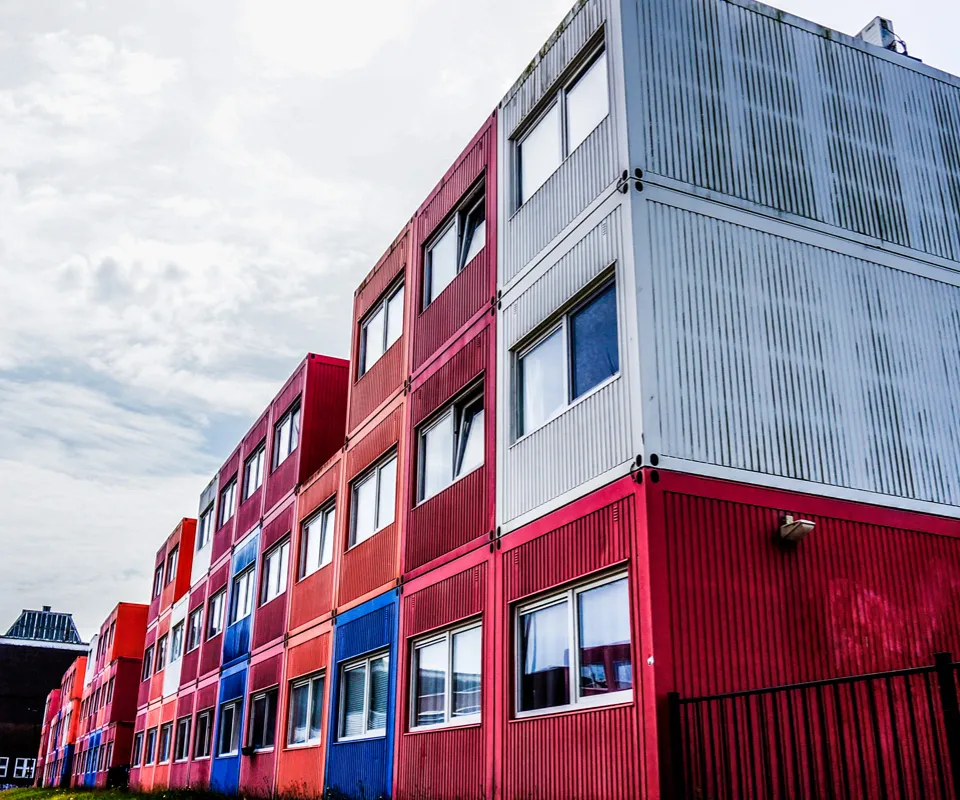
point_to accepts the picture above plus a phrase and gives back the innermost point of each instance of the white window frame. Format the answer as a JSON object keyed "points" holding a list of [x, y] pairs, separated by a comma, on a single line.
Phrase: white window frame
{"points": [[173, 561], [228, 502], [280, 550], [245, 577], [23, 768], [563, 325], [559, 101], [373, 473], [208, 740], [137, 754], [176, 641], [381, 305], [256, 461], [160, 657], [146, 668], [218, 619], [327, 517], [425, 641], [150, 747], [292, 412], [185, 740], [197, 613], [4, 765], [269, 695], [459, 220], [569, 595], [205, 527], [312, 699], [165, 730], [158, 582], [475, 396], [346, 667], [234, 706]]}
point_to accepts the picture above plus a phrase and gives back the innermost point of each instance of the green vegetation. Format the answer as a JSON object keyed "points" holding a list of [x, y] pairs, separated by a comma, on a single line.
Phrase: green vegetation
{"points": [[105, 794]]}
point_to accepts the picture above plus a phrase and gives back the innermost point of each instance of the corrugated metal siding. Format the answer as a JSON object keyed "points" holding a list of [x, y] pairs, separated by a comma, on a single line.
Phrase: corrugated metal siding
{"points": [[312, 597], [379, 382], [270, 621], [790, 359], [572, 448], [593, 166], [370, 564], [734, 100], [324, 418], [311, 656], [212, 649], [266, 673], [363, 452], [277, 528], [223, 537]]}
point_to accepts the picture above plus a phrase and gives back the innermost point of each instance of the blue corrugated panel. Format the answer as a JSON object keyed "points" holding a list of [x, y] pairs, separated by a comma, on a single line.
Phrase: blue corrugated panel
{"points": [[225, 770], [236, 638], [363, 769]]}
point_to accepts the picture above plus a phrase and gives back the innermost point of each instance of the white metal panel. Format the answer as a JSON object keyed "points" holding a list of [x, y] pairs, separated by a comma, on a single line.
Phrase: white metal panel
{"points": [[171, 673], [200, 565]]}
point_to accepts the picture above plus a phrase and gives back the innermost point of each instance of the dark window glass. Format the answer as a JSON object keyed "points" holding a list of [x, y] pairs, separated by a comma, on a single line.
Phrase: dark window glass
{"points": [[594, 342], [545, 657]]}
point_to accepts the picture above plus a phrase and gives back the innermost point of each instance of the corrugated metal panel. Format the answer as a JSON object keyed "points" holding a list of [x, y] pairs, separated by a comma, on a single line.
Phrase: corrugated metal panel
{"points": [[572, 448], [444, 763], [324, 420], [594, 165], [378, 383], [790, 359], [363, 452], [446, 602], [212, 649], [370, 564], [270, 621], [311, 598], [311, 656], [223, 537], [266, 673], [732, 99], [277, 528]]}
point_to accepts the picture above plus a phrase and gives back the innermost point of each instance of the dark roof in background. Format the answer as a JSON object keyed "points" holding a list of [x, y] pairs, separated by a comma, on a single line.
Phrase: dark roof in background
{"points": [[45, 626]]}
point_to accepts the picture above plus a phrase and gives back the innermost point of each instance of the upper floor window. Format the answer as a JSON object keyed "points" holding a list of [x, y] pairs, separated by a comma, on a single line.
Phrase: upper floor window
{"points": [[374, 501], [452, 445], [263, 720], [446, 677], [286, 435], [573, 647], [172, 560], [205, 527], [316, 541], [228, 502], [147, 669], [577, 354], [176, 642], [194, 628], [110, 688], [382, 326], [241, 603], [364, 687], [305, 725], [158, 581], [161, 659], [215, 609], [275, 570], [455, 246], [580, 105], [253, 472]]}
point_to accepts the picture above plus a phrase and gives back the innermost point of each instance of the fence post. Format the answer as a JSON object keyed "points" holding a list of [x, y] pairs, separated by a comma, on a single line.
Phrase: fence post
{"points": [[676, 745], [951, 713]]}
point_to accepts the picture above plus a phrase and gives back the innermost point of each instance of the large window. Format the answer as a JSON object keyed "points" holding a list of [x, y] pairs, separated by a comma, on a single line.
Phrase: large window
{"points": [[228, 738], [181, 748], [452, 445], [158, 581], [374, 501], [151, 748], [4, 763], [166, 734], [23, 768], [381, 328], [446, 678], [161, 657], [241, 602], [275, 570], [364, 686], [580, 105], [194, 628], [253, 471], [173, 558], [263, 720], [305, 725], [215, 613], [573, 647], [316, 542], [176, 642], [286, 435], [205, 527], [577, 354], [201, 736], [137, 755], [455, 246], [228, 502]]}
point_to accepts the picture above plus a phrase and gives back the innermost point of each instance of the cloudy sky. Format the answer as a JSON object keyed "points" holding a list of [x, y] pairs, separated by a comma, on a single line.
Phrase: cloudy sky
{"points": [[189, 193]]}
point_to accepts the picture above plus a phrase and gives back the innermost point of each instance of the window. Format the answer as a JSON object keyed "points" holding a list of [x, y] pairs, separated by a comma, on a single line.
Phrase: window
{"points": [[176, 642], [316, 542], [363, 693], [382, 327], [201, 737], [109, 763], [151, 746], [194, 628], [181, 749], [305, 725], [574, 357], [263, 720], [451, 446], [215, 614], [172, 560], [580, 106], [286, 435], [253, 472], [166, 734], [455, 246], [228, 502], [110, 687], [228, 741], [147, 670], [273, 582], [158, 581], [4, 763], [551, 674], [205, 527], [446, 678], [374, 501], [161, 660], [241, 602]]}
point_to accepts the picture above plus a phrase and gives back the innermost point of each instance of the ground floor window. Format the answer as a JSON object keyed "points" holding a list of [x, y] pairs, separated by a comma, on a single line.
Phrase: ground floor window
{"points": [[364, 686], [263, 720], [446, 673], [151, 746], [201, 736], [228, 740], [23, 768], [181, 748], [306, 710], [137, 749]]}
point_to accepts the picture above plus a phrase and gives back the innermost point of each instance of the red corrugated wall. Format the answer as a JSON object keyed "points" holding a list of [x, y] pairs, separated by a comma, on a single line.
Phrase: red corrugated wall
{"points": [[250, 511], [211, 651], [190, 668], [223, 538], [269, 620], [325, 413], [257, 771], [278, 483]]}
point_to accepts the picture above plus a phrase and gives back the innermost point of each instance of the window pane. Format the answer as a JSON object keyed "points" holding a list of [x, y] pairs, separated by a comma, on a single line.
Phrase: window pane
{"points": [[281, 447], [442, 264], [437, 457], [326, 551], [545, 658], [299, 700], [593, 331], [258, 721], [541, 382], [475, 235], [471, 440], [373, 340], [431, 677], [395, 317], [387, 502], [539, 154], [364, 509], [466, 673], [354, 683], [588, 102], [379, 674], [316, 709], [605, 639]]}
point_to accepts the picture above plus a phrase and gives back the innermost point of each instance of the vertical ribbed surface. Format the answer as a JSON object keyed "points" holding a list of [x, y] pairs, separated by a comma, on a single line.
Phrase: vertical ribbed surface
{"points": [[572, 448], [378, 383], [211, 650], [223, 537], [324, 419], [735, 101], [266, 673], [370, 564], [312, 597], [363, 452], [790, 359], [594, 165], [270, 621]]}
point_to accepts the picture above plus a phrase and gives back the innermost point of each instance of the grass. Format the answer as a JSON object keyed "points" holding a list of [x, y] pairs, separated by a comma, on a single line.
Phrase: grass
{"points": [[106, 794]]}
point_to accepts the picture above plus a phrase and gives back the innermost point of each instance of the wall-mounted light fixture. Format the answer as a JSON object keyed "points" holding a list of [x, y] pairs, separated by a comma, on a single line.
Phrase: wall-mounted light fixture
{"points": [[794, 530]]}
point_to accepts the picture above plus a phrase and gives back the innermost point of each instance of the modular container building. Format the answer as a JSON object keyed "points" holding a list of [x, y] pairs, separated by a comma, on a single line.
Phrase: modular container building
{"points": [[62, 735]]}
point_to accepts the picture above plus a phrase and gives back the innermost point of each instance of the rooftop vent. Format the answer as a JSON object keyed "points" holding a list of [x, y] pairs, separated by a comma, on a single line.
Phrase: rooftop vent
{"points": [[880, 32]]}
